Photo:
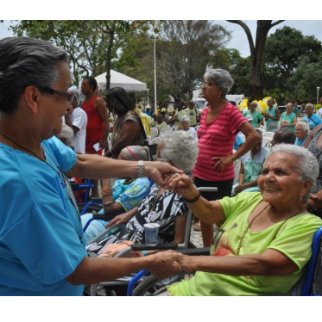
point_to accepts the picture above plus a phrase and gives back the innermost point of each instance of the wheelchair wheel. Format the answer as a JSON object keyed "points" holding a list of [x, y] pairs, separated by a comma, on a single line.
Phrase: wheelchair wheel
{"points": [[151, 286], [92, 208]]}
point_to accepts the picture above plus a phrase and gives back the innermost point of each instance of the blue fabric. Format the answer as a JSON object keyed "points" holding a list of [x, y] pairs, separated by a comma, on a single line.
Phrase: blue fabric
{"points": [[41, 238], [238, 142], [313, 121], [300, 142]]}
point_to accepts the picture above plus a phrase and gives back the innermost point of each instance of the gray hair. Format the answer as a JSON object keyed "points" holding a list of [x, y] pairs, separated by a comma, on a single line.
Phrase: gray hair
{"points": [[77, 94], [311, 106], [26, 61], [66, 135], [305, 126], [141, 152], [185, 118], [221, 78], [180, 148], [307, 167]]}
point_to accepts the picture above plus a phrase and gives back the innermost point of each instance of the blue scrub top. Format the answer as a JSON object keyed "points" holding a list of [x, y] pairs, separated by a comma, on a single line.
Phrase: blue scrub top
{"points": [[41, 237]]}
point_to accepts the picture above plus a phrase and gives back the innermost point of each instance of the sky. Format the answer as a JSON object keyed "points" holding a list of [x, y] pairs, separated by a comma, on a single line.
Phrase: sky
{"points": [[238, 40]]}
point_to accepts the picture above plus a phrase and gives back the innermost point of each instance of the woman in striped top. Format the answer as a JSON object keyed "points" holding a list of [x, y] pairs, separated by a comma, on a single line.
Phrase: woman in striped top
{"points": [[219, 124]]}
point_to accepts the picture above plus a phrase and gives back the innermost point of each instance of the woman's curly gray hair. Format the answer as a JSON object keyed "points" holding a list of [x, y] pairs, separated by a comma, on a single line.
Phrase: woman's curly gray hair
{"points": [[221, 78], [180, 148], [307, 166]]}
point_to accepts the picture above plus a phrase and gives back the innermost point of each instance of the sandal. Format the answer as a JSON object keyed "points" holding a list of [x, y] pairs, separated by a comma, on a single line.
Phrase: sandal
{"points": [[196, 227]]}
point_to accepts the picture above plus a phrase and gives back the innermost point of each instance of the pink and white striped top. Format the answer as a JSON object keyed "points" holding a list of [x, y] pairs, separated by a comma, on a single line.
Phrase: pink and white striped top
{"points": [[216, 139]]}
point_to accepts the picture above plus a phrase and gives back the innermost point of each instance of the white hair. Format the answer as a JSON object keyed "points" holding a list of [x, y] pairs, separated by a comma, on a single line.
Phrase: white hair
{"points": [[185, 118], [307, 166], [180, 148], [67, 135], [305, 126]]}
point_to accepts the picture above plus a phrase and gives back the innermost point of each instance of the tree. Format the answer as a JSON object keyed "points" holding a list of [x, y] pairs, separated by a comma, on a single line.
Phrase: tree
{"points": [[186, 47], [92, 45], [283, 51], [256, 51]]}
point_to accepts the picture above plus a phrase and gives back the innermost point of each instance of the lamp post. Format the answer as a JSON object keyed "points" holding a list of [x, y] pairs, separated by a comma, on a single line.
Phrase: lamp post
{"points": [[317, 95], [154, 39]]}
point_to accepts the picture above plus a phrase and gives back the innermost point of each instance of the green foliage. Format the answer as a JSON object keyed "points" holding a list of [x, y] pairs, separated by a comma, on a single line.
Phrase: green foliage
{"points": [[285, 51], [92, 45]]}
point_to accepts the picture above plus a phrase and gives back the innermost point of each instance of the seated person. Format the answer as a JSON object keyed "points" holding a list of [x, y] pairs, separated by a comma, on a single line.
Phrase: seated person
{"points": [[161, 206], [302, 130], [185, 126], [160, 123], [265, 237], [310, 117], [127, 193], [250, 169], [286, 136]]}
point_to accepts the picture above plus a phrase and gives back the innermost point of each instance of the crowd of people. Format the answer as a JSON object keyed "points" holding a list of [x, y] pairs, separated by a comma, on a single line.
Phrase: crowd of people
{"points": [[259, 231]]}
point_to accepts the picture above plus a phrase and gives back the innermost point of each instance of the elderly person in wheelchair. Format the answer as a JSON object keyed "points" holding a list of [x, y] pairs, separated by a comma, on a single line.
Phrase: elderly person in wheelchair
{"points": [[161, 206], [127, 194], [264, 240]]}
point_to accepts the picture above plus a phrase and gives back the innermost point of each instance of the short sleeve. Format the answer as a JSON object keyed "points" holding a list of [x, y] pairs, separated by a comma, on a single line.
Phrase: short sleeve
{"points": [[134, 194], [65, 156], [131, 116], [53, 250], [236, 119], [80, 120], [295, 237]]}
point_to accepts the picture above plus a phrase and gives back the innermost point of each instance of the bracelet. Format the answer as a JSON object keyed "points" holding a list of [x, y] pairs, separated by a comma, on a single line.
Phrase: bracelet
{"points": [[144, 252], [193, 200], [140, 169]]}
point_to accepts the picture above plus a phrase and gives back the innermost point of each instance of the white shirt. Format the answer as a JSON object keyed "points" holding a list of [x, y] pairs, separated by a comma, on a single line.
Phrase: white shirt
{"points": [[79, 119], [193, 132], [320, 112]]}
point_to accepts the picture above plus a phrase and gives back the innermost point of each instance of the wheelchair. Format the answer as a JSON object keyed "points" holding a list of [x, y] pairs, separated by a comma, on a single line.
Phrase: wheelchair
{"points": [[309, 284]]}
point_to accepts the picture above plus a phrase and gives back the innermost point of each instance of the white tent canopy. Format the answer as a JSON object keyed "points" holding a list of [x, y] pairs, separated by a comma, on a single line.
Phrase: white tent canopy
{"points": [[120, 80]]}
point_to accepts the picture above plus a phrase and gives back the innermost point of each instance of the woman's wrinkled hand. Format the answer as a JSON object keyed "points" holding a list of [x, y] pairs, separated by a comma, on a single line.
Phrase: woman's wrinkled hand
{"points": [[180, 183], [164, 264], [159, 171], [113, 249], [222, 162], [119, 219], [187, 264]]}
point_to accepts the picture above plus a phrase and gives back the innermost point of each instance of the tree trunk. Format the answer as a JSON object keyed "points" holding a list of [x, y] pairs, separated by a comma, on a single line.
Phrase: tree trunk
{"points": [[256, 51], [109, 55]]}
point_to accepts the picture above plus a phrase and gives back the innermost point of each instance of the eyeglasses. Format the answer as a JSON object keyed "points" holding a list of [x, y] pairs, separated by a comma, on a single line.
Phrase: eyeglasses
{"points": [[65, 96], [208, 84]]}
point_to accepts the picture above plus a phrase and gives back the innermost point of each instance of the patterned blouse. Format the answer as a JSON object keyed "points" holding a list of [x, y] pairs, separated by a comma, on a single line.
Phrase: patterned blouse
{"points": [[129, 116], [318, 154], [165, 209]]}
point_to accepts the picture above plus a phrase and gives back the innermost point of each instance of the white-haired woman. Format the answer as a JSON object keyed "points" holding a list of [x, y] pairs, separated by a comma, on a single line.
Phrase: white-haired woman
{"points": [[302, 130], [219, 124], [76, 119], [310, 117], [161, 206], [264, 240]]}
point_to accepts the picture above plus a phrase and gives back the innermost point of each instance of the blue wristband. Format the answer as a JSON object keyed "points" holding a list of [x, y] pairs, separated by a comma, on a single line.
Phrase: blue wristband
{"points": [[144, 252]]}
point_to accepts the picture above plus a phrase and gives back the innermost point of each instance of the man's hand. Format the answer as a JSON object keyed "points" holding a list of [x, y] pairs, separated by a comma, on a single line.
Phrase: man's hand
{"points": [[164, 264], [104, 144]]}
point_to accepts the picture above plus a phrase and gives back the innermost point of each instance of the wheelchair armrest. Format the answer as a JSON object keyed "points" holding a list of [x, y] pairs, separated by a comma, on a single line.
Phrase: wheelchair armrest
{"points": [[204, 251], [156, 247]]}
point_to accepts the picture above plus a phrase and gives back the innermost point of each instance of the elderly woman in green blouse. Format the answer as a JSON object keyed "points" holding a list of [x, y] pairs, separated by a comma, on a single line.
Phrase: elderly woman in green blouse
{"points": [[265, 237]]}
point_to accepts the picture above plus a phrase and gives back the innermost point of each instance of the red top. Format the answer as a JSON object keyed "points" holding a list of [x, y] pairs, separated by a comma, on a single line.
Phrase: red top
{"points": [[216, 139], [94, 128]]}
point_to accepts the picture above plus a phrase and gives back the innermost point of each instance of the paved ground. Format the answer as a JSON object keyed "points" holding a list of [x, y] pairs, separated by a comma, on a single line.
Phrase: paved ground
{"points": [[195, 238]]}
